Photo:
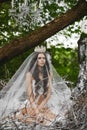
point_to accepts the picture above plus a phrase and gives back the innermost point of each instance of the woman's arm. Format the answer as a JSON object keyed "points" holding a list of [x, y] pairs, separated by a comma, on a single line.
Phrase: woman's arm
{"points": [[30, 93], [29, 87], [46, 99], [48, 92]]}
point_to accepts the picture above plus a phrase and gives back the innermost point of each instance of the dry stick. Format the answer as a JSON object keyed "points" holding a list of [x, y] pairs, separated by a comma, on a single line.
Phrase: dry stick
{"points": [[56, 117], [24, 122], [14, 123]]}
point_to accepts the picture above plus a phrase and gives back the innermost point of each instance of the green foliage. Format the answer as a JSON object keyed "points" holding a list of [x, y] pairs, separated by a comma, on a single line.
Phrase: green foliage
{"points": [[9, 30], [70, 3], [7, 70], [83, 35], [66, 63]]}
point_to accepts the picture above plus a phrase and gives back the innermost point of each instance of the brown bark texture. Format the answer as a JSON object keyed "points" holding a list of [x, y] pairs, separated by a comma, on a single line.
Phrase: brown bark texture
{"points": [[77, 116]]}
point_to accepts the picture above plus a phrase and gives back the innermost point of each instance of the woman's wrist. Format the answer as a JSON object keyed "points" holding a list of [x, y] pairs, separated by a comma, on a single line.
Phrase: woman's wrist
{"points": [[40, 106], [34, 105]]}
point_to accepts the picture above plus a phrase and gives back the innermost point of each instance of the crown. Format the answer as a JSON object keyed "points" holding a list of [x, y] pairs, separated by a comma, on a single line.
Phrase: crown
{"points": [[40, 49]]}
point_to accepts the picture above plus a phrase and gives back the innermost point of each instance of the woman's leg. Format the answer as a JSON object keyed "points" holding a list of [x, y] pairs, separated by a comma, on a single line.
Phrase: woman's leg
{"points": [[26, 115], [48, 116]]}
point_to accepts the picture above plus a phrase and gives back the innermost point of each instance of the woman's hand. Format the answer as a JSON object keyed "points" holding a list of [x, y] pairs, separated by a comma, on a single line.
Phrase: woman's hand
{"points": [[40, 107], [36, 111], [40, 118], [34, 108], [33, 105], [33, 111]]}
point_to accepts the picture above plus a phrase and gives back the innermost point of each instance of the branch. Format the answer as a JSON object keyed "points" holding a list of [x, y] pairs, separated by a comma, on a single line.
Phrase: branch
{"points": [[18, 46]]}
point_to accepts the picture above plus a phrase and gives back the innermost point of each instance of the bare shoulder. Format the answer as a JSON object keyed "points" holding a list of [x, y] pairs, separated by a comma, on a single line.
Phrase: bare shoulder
{"points": [[28, 74]]}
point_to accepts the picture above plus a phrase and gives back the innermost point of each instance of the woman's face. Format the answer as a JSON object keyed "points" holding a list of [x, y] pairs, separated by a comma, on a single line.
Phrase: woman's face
{"points": [[41, 59]]}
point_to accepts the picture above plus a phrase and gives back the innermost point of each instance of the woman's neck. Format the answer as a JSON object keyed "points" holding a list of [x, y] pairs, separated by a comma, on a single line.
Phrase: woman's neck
{"points": [[41, 73], [40, 69]]}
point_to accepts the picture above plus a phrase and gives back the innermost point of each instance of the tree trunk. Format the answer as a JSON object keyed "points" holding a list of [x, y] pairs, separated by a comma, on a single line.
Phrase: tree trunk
{"points": [[77, 119], [18, 46]]}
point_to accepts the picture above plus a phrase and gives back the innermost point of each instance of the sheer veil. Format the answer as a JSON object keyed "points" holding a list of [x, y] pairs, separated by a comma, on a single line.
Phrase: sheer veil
{"points": [[14, 95]]}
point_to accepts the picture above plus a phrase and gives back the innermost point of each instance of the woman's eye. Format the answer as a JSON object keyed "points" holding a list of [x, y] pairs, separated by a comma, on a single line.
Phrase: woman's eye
{"points": [[41, 57]]}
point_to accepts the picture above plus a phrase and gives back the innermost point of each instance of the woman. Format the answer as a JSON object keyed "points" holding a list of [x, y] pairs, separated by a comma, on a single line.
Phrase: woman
{"points": [[38, 91], [34, 92]]}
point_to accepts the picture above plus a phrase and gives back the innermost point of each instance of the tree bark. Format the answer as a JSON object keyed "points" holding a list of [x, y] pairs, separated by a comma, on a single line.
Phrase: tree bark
{"points": [[77, 119], [18, 46]]}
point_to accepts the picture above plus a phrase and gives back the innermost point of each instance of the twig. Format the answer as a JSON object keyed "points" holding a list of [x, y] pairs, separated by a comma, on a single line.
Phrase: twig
{"points": [[15, 124]]}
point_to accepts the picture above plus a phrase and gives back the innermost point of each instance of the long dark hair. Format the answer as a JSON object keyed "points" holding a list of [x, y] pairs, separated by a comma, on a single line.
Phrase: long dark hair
{"points": [[35, 73]]}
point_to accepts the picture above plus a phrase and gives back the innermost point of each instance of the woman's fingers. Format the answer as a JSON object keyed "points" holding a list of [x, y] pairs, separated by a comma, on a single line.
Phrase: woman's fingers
{"points": [[40, 118]]}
